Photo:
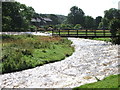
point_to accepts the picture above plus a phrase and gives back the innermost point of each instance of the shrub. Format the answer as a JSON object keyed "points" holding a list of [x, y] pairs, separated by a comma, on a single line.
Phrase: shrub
{"points": [[115, 30], [77, 26]]}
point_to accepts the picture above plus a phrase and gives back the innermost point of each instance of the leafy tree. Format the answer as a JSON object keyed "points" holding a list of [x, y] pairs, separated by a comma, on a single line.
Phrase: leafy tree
{"points": [[97, 21], [11, 15], [108, 16], [115, 30], [114, 26], [76, 16], [100, 25], [89, 22], [104, 24], [54, 19], [112, 13], [16, 16]]}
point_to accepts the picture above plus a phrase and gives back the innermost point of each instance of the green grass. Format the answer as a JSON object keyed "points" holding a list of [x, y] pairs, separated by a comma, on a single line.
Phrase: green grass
{"points": [[21, 52], [103, 39], [109, 82]]}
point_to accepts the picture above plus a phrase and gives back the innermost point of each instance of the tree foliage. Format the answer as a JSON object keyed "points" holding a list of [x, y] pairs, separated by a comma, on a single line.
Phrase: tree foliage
{"points": [[112, 13], [115, 30], [76, 16], [112, 20], [97, 21], [16, 16], [114, 26], [89, 22], [54, 19], [105, 22], [108, 16]]}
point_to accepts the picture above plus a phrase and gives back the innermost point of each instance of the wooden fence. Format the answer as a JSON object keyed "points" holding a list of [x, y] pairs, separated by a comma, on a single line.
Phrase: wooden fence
{"points": [[82, 33]]}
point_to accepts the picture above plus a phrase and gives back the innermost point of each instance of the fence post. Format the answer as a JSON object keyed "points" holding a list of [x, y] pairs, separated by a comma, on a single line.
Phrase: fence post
{"points": [[86, 32], [52, 32], [68, 32], [104, 32], [77, 32], [59, 32], [95, 32]]}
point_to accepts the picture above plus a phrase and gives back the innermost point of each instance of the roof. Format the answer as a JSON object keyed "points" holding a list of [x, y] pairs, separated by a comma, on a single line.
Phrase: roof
{"points": [[36, 20], [47, 19]]}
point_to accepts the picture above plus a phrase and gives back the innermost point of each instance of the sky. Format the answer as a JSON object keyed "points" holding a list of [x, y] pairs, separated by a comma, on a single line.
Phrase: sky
{"points": [[92, 8]]}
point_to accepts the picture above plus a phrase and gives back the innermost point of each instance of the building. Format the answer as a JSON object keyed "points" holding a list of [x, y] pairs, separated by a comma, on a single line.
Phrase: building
{"points": [[40, 21]]}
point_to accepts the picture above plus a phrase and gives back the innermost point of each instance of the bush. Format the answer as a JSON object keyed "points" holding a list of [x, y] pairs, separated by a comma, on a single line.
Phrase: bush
{"points": [[115, 30], [66, 26], [77, 26], [33, 28]]}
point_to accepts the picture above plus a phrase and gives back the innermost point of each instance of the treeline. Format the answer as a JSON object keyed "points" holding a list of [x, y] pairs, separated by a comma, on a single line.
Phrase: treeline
{"points": [[17, 17], [77, 19], [77, 16]]}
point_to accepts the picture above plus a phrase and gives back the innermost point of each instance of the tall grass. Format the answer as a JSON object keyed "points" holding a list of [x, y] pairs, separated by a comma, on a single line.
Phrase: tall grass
{"points": [[21, 52]]}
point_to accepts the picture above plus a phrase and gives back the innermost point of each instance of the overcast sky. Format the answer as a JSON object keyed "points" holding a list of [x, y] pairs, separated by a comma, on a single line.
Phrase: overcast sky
{"points": [[92, 8]]}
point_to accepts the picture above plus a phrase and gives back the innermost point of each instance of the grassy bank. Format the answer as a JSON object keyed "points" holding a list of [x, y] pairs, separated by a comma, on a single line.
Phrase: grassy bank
{"points": [[21, 52], [109, 82], [103, 39]]}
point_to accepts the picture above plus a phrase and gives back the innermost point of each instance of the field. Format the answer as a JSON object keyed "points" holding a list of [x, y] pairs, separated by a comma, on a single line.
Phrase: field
{"points": [[21, 52], [109, 82]]}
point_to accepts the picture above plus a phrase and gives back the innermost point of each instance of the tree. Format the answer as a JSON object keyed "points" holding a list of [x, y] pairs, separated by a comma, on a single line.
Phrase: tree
{"points": [[114, 26], [11, 15], [112, 13], [100, 25], [104, 24], [27, 12], [54, 19], [89, 22], [115, 30], [97, 21], [76, 16], [108, 16], [16, 16]]}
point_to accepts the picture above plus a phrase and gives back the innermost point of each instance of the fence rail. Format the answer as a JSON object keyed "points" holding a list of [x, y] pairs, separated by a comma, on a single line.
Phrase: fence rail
{"points": [[82, 33]]}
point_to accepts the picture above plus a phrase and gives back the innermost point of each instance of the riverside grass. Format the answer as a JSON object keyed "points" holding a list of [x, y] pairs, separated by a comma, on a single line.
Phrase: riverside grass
{"points": [[111, 81], [20, 52], [103, 39]]}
